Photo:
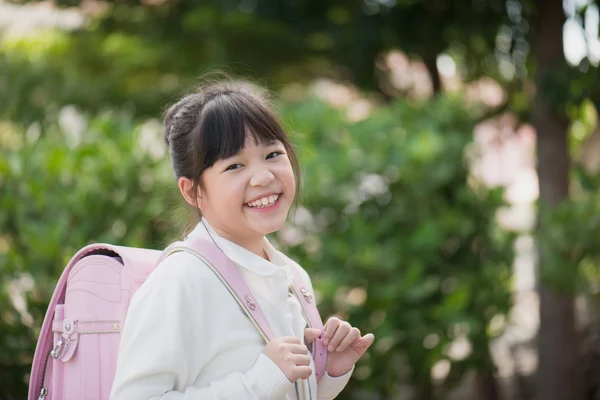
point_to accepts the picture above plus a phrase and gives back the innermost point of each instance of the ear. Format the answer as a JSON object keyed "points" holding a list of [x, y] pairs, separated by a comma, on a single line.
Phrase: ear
{"points": [[186, 187]]}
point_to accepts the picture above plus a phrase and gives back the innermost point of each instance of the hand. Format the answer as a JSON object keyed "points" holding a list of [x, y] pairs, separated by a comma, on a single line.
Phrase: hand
{"points": [[291, 356], [345, 345]]}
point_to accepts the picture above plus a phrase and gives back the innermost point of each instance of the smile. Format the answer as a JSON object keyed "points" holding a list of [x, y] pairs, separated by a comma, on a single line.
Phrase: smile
{"points": [[264, 202]]}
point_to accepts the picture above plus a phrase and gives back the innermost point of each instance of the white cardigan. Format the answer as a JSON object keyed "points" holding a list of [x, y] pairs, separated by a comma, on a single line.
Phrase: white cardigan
{"points": [[185, 336]]}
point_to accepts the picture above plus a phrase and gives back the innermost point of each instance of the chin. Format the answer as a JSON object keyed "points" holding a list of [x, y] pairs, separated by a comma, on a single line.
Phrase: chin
{"points": [[265, 225], [269, 230], [266, 229]]}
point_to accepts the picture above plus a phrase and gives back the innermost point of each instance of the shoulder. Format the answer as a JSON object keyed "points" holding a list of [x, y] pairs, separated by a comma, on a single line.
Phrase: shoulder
{"points": [[187, 272], [182, 266]]}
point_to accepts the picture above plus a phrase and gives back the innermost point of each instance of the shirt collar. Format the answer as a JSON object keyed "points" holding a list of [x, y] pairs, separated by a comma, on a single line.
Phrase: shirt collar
{"points": [[241, 256]]}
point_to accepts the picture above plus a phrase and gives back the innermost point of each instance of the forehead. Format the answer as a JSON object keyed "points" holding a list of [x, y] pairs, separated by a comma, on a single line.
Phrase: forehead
{"points": [[253, 140]]}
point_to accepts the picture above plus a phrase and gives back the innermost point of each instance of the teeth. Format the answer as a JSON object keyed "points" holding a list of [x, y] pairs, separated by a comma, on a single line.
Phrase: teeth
{"points": [[264, 201]]}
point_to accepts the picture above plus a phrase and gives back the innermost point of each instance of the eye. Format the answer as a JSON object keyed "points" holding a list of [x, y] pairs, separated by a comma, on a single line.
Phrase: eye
{"points": [[233, 167], [274, 154]]}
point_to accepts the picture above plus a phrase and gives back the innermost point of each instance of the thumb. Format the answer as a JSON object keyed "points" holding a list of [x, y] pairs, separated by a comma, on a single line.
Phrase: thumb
{"points": [[311, 334], [366, 341]]}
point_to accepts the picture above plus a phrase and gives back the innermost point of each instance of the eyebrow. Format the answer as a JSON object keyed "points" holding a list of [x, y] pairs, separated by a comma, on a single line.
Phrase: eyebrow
{"points": [[269, 142]]}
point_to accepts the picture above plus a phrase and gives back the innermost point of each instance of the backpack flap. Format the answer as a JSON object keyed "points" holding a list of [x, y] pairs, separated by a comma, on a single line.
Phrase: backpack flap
{"points": [[143, 262]]}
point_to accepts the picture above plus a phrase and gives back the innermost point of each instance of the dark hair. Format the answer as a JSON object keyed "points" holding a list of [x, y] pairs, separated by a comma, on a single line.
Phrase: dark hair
{"points": [[212, 124]]}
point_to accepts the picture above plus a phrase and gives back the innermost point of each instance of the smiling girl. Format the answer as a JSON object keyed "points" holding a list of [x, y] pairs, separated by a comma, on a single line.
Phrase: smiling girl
{"points": [[185, 336]]}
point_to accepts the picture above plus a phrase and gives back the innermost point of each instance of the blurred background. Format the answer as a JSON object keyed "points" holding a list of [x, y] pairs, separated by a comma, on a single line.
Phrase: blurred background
{"points": [[450, 152]]}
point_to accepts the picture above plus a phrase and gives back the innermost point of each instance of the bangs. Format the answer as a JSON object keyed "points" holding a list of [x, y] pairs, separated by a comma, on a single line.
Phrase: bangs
{"points": [[226, 122]]}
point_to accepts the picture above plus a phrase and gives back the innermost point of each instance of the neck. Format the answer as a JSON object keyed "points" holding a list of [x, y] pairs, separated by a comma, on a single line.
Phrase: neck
{"points": [[254, 244]]}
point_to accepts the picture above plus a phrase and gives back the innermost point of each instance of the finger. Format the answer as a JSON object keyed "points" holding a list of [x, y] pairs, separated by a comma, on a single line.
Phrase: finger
{"points": [[330, 327], [350, 338], [302, 372], [291, 339], [298, 349], [300, 359], [339, 335], [311, 334], [365, 341]]}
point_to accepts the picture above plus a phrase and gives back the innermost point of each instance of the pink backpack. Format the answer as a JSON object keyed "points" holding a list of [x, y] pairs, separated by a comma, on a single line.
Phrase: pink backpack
{"points": [[76, 354]]}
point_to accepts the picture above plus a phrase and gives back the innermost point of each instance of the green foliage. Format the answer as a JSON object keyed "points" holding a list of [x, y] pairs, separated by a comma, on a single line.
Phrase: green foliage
{"points": [[140, 55], [49, 69], [568, 239], [568, 234]]}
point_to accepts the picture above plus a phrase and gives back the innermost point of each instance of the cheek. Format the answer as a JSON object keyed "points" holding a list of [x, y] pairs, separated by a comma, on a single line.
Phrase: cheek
{"points": [[288, 180], [223, 195], [233, 192]]}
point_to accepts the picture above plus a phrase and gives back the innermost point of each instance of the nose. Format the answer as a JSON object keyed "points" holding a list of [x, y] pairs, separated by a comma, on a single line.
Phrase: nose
{"points": [[262, 176]]}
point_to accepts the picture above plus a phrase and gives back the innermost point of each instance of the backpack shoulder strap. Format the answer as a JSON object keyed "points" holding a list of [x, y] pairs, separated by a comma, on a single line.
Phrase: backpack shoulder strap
{"points": [[307, 301], [228, 273]]}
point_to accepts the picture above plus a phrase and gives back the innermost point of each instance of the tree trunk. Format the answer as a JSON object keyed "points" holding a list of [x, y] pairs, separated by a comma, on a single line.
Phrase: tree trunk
{"points": [[487, 386], [425, 390], [485, 383], [557, 376], [434, 73]]}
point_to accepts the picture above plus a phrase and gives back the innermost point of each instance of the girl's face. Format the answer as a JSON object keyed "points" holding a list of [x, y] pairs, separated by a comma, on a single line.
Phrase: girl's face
{"points": [[249, 195]]}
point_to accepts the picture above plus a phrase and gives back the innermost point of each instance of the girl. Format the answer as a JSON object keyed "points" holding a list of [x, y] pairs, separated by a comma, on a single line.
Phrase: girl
{"points": [[185, 336]]}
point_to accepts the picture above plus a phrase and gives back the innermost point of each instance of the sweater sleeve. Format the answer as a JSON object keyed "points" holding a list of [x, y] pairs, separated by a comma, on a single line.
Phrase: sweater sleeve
{"points": [[154, 364], [329, 387]]}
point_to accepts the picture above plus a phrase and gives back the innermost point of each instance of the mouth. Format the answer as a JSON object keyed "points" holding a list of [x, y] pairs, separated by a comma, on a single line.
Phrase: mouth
{"points": [[264, 203]]}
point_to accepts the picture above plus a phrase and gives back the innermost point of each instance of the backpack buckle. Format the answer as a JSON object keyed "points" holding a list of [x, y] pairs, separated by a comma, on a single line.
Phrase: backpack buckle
{"points": [[60, 348]]}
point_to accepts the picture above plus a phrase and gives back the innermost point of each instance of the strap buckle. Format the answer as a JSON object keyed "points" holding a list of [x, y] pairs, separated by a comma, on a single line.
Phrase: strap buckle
{"points": [[60, 348]]}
